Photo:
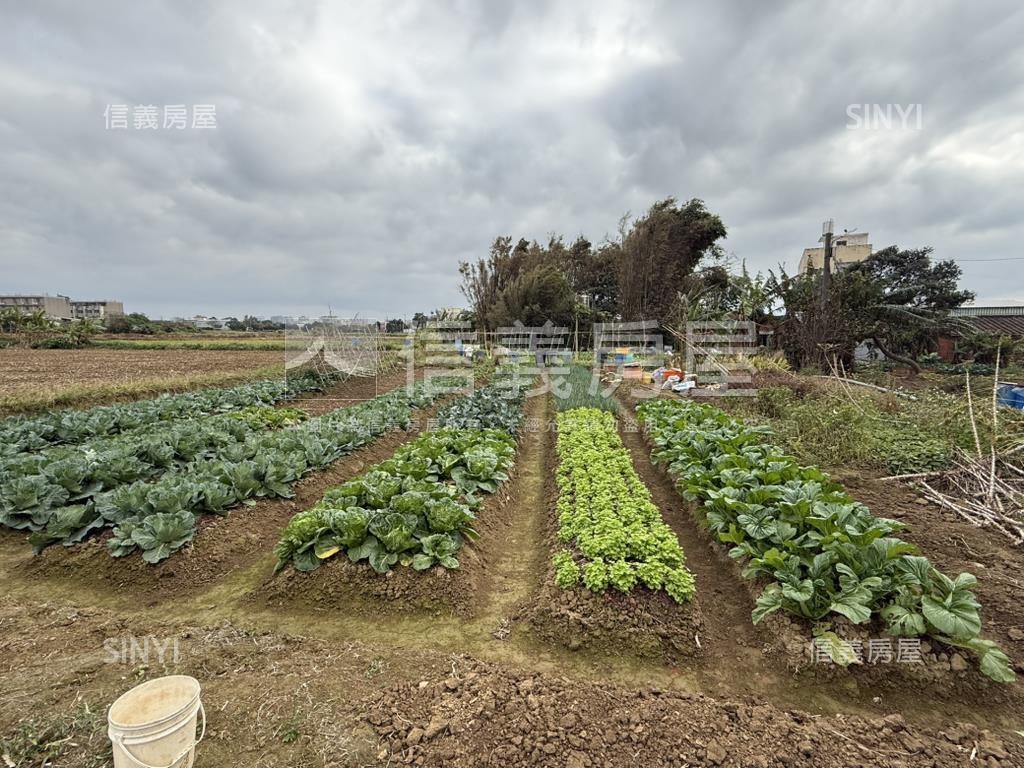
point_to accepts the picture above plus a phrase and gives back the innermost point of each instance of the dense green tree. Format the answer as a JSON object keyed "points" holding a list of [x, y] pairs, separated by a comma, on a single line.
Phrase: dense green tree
{"points": [[900, 300], [640, 275], [533, 298], [660, 252]]}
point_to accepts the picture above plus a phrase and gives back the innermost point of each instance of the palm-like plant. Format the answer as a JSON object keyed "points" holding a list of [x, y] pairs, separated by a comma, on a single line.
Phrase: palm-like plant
{"points": [[11, 320], [82, 332]]}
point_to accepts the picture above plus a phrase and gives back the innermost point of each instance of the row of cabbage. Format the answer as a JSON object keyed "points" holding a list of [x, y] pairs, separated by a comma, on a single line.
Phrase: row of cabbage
{"points": [[242, 461], [33, 486], [417, 508], [819, 551], [606, 512], [26, 434]]}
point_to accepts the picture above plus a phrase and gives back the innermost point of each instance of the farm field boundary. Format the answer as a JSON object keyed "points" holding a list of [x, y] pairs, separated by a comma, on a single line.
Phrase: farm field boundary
{"points": [[223, 543]]}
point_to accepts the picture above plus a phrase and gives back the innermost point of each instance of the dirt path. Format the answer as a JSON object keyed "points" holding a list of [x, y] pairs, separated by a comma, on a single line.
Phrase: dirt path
{"points": [[517, 563], [731, 643]]}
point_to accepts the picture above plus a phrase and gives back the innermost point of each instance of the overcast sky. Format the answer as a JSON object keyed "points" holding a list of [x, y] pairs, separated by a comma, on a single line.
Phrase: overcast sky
{"points": [[362, 150]]}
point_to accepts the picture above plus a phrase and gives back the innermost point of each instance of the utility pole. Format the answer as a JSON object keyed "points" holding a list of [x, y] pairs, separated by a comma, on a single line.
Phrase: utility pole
{"points": [[826, 274]]}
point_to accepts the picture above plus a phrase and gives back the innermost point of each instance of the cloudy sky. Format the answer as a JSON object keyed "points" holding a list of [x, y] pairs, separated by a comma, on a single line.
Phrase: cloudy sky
{"points": [[362, 149]]}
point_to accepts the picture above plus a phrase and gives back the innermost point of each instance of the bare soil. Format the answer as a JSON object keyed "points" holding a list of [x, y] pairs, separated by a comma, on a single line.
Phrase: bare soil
{"points": [[23, 370]]}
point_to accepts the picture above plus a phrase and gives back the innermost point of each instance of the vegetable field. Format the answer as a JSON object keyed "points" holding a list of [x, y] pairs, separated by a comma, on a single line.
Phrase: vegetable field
{"points": [[821, 552], [483, 567], [605, 510]]}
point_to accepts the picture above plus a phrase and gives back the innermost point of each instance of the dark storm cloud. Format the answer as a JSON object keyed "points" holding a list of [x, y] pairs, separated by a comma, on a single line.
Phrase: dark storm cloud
{"points": [[363, 149]]}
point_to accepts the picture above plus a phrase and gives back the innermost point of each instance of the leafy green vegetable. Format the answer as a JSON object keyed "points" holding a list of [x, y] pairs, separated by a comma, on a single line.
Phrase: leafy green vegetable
{"points": [[166, 466], [821, 552], [436, 548], [122, 543], [567, 572], [67, 524], [606, 510], [410, 505], [160, 534], [349, 526]]}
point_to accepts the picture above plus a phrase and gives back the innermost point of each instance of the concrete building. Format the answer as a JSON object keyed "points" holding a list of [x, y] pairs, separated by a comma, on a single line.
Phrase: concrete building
{"points": [[56, 307], [96, 310], [847, 248]]}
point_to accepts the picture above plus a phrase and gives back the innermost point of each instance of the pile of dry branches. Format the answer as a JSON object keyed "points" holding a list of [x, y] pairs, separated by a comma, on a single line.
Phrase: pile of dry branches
{"points": [[984, 494], [987, 488]]}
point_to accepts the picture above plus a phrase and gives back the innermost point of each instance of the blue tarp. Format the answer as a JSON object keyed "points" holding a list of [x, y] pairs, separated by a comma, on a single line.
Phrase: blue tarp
{"points": [[1011, 396]]}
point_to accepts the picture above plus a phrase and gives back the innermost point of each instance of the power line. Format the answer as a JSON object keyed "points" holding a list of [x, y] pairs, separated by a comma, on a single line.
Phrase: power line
{"points": [[1010, 258]]}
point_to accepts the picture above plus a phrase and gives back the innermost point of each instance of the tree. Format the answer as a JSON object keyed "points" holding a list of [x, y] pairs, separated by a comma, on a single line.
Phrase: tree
{"points": [[80, 333], [136, 322], [11, 320], [912, 301], [396, 325], [484, 280], [898, 299], [750, 296], [533, 298], [811, 334], [640, 275], [659, 252]]}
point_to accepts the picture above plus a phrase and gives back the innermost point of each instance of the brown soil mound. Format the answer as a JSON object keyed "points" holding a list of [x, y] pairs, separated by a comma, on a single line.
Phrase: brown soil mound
{"points": [[483, 715]]}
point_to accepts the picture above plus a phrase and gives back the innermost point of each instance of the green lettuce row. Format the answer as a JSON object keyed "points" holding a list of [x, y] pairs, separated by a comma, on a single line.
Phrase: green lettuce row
{"points": [[821, 552], [27, 434], [605, 509], [159, 517], [414, 509]]}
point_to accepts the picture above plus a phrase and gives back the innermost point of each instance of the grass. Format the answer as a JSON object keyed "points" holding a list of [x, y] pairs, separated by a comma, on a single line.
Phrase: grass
{"points": [[202, 344], [39, 742], [581, 389], [80, 395], [824, 424]]}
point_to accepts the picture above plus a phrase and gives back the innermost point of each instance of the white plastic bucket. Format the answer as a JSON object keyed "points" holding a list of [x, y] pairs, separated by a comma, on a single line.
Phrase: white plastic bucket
{"points": [[154, 724]]}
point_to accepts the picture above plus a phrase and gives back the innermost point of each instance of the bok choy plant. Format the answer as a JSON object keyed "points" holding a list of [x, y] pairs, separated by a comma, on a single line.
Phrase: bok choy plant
{"points": [[818, 551]]}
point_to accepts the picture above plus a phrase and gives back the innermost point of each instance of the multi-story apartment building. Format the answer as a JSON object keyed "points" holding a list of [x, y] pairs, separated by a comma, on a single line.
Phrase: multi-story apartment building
{"points": [[56, 307], [96, 310]]}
